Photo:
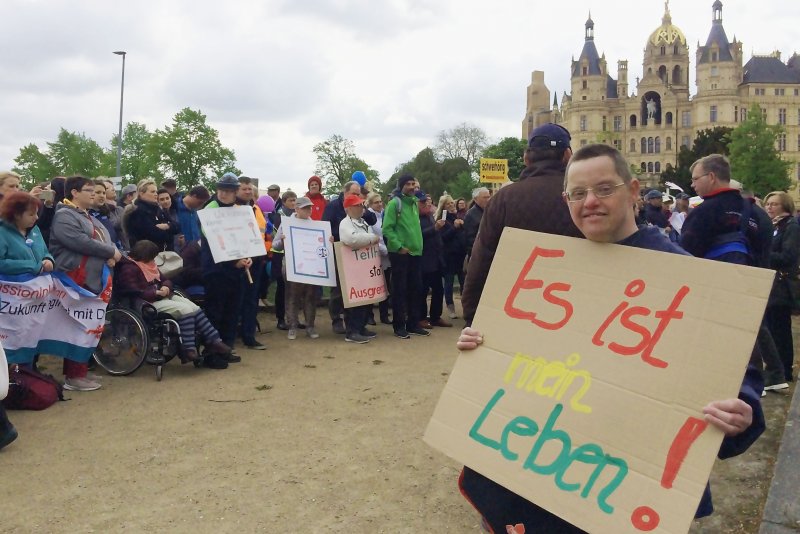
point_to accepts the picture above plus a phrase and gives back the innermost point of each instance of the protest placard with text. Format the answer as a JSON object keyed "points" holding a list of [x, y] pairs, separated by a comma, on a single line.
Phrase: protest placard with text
{"points": [[360, 274], [232, 233], [309, 252], [586, 396]]}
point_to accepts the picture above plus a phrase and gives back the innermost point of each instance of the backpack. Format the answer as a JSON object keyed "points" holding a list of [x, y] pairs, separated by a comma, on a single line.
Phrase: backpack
{"points": [[31, 390], [735, 247]]}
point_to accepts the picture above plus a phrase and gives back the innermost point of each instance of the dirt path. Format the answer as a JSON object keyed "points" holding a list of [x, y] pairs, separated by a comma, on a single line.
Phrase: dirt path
{"points": [[309, 436]]}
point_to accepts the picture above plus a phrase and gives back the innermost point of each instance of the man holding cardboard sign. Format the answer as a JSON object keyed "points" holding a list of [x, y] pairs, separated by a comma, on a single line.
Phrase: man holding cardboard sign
{"points": [[600, 193]]}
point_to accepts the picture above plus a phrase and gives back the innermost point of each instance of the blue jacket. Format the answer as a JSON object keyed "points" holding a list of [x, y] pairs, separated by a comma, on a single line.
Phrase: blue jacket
{"points": [[21, 255], [188, 220]]}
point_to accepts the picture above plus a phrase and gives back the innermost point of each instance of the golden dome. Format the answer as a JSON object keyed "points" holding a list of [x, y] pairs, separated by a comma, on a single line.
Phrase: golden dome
{"points": [[667, 33]]}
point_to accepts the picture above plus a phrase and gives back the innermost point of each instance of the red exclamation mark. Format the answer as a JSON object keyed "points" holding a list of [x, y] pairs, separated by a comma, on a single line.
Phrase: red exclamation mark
{"points": [[645, 518]]}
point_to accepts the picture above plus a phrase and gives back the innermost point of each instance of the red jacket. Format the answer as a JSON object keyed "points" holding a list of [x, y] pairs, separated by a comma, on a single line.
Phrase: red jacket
{"points": [[318, 202]]}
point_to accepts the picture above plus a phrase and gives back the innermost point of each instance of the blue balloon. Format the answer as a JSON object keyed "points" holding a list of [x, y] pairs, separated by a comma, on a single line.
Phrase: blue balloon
{"points": [[360, 177]]}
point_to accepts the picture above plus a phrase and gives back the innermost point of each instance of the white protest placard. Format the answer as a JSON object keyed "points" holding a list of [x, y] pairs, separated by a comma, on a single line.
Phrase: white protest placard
{"points": [[232, 233], [309, 252], [586, 395]]}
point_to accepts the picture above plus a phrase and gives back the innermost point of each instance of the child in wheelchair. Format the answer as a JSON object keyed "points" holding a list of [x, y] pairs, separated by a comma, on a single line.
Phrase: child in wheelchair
{"points": [[139, 277]]}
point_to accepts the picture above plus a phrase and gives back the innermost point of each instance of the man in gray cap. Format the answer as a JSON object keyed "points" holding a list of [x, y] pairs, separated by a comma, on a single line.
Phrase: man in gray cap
{"points": [[654, 209], [223, 281], [532, 203]]}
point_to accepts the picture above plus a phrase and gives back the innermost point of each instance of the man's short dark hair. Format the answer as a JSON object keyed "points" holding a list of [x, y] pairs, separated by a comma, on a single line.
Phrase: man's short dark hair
{"points": [[586, 152], [245, 180], [75, 182], [162, 191], [100, 182], [716, 163], [200, 192]]}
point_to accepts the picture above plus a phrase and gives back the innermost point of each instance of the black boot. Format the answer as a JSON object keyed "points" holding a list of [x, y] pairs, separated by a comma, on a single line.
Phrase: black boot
{"points": [[7, 431]]}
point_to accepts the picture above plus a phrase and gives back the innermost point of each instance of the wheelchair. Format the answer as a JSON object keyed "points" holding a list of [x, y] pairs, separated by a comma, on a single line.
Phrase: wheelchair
{"points": [[135, 333]]}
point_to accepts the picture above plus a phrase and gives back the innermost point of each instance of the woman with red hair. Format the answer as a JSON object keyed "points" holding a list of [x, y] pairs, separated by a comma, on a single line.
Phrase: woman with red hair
{"points": [[22, 248]]}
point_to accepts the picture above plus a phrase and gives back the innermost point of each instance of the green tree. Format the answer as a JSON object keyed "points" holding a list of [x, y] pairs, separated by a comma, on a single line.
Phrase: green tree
{"points": [[190, 151], [337, 161], [463, 141], [755, 160], [708, 141], [74, 153], [33, 166], [512, 149], [137, 161]]}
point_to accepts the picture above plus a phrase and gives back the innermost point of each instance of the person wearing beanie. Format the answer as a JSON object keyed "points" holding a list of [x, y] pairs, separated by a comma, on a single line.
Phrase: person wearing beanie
{"points": [[318, 201]]}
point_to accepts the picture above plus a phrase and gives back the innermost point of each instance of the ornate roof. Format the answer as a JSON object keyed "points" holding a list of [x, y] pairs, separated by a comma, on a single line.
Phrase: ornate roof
{"points": [[667, 33]]}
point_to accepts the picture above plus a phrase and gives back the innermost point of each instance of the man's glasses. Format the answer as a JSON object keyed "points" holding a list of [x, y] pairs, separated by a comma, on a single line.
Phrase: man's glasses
{"points": [[600, 191], [695, 178]]}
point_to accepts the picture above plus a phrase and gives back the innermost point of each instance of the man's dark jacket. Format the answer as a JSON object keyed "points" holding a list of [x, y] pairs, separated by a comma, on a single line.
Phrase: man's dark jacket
{"points": [[533, 203]]}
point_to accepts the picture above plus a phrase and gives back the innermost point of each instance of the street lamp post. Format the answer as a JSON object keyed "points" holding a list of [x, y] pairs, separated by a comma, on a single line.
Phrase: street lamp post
{"points": [[121, 96]]}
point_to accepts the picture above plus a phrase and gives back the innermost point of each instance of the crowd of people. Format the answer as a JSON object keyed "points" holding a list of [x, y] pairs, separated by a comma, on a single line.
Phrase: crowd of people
{"points": [[425, 246]]}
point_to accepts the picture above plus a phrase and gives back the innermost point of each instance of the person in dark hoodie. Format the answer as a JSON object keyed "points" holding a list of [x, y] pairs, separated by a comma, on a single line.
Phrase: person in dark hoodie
{"points": [[223, 281], [532, 203], [432, 265], [335, 213], [600, 192]]}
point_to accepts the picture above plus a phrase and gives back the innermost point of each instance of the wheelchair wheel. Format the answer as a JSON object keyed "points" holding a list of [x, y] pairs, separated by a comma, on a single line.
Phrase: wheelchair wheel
{"points": [[124, 345], [159, 372]]}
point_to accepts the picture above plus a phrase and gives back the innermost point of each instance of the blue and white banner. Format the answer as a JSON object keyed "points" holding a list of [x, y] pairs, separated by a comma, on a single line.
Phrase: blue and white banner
{"points": [[49, 314]]}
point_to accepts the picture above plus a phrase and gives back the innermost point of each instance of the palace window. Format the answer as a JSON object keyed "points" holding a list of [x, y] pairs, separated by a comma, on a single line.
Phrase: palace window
{"points": [[650, 167], [605, 123], [686, 119], [658, 166], [714, 71], [798, 142], [633, 121], [658, 145], [668, 117], [585, 71], [744, 114], [780, 92], [618, 144], [713, 56], [782, 116], [782, 142], [663, 50], [669, 144], [644, 167], [618, 123], [650, 145], [760, 91], [583, 142], [644, 146], [685, 141], [633, 144], [675, 50], [583, 123], [713, 117], [584, 84]]}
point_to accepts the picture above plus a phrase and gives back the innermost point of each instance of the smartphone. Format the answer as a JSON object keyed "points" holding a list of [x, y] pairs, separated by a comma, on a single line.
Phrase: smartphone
{"points": [[47, 195]]}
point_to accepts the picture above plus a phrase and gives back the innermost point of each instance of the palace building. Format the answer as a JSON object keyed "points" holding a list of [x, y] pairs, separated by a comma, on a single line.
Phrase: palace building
{"points": [[650, 120]]}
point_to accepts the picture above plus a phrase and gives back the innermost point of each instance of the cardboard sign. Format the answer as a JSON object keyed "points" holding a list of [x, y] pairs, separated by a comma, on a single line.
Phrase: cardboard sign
{"points": [[586, 396], [494, 171], [309, 252], [360, 275], [232, 233]]}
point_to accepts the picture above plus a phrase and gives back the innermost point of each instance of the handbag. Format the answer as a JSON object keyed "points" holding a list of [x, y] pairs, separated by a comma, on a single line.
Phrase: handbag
{"points": [[169, 263], [31, 390]]}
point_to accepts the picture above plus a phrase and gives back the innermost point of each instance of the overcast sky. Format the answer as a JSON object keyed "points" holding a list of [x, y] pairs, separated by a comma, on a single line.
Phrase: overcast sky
{"points": [[275, 77]]}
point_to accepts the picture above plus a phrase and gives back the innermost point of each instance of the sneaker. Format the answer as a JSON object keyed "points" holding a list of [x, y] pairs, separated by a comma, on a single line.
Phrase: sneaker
{"points": [[371, 320], [312, 332], [255, 345], [385, 319], [426, 324], [80, 384], [763, 392], [417, 331], [292, 334], [451, 308], [367, 333], [215, 361], [776, 387], [282, 326], [356, 338], [96, 378], [401, 333], [338, 327]]}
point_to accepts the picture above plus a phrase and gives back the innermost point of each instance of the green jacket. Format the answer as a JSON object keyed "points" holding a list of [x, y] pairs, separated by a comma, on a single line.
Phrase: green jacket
{"points": [[21, 255], [402, 230]]}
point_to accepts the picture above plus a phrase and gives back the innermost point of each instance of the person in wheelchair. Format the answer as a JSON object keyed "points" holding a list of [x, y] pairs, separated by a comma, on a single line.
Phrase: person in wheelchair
{"points": [[139, 277]]}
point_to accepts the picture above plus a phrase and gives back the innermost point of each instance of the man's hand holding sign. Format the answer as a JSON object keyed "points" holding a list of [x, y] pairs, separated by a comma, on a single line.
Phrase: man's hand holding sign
{"points": [[594, 374]]}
